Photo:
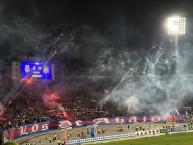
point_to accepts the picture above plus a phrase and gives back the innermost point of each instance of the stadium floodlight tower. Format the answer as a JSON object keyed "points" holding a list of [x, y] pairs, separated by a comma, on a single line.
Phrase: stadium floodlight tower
{"points": [[176, 27]]}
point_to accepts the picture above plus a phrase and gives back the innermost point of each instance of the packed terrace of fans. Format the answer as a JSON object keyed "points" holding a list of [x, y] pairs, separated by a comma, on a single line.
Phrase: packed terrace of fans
{"points": [[28, 109]]}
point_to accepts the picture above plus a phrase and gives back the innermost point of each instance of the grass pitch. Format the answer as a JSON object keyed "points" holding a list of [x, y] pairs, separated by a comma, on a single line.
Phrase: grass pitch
{"points": [[174, 139]]}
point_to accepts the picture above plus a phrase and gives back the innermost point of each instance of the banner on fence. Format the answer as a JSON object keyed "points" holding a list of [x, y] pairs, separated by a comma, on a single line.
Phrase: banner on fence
{"points": [[23, 131]]}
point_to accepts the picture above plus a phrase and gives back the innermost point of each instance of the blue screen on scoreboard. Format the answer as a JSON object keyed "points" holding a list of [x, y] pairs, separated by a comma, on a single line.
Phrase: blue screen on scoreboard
{"points": [[36, 70]]}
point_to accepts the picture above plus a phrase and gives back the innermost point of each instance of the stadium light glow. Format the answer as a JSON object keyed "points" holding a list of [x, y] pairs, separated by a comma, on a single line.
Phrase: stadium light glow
{"points": [[176, 25]]}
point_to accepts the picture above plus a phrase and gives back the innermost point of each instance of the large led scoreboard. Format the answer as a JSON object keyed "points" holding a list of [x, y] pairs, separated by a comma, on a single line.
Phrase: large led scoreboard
{"points": [[32, 70], [36, 70]]}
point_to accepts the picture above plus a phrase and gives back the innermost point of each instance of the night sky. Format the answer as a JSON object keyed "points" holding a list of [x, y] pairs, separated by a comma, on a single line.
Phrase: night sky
{"points": [[88, 28], [144, 14]]}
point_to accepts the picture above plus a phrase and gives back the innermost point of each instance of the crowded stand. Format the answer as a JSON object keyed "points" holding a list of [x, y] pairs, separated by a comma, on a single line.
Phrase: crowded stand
{"points": [[21, 113], [29, 107]]}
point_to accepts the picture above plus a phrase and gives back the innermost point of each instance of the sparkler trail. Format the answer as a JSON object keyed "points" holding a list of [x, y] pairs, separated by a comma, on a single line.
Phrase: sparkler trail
{"points": [[119, 83], [15, 96], [54, 41], [50, 58]]}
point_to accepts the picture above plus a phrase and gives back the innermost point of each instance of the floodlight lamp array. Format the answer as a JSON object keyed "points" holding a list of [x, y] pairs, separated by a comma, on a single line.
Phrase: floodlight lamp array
{"points": [[176, 26]]}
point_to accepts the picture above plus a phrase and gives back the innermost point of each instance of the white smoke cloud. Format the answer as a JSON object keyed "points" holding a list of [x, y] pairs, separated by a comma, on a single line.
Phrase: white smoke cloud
{"points": [[157, 88]]}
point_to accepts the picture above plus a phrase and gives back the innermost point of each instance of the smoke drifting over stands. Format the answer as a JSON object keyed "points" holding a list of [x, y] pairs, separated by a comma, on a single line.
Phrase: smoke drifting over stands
{"points": [[111, 56]]}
